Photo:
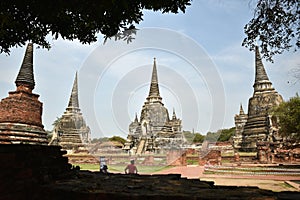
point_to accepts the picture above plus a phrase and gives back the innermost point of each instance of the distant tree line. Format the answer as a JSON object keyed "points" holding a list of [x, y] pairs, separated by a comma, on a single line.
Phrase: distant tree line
{"points": [[106, 139], [221, 135]]}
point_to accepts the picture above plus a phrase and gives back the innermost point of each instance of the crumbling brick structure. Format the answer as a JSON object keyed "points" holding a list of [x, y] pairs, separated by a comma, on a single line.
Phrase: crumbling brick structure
{"points": [[21, 111]]}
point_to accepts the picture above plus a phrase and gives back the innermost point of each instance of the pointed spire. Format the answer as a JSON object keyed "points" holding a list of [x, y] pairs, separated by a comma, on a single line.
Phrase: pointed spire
{"points": [[73, 102], [260, 72], [262, 82], [174, 114], [154, 90], [25, 76], [241, 110], [136, 118]]}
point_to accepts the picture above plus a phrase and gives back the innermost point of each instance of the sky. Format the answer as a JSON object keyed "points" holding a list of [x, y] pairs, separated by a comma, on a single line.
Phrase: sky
{"points": [[203, 71]]}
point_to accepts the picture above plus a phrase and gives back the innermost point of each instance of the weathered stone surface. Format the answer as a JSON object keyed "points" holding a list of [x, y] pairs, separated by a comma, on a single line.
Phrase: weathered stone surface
{"points": [[278, 152], [25, 76], [25, 167], [240, 121], [176, 157], [21, 111], [155, 131], [260, 125], [21, 107], [211, 157], [71, 131]]}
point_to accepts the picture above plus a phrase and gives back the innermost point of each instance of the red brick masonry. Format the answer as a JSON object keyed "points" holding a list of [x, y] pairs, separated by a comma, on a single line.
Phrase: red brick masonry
{"points": [[21, 107]]}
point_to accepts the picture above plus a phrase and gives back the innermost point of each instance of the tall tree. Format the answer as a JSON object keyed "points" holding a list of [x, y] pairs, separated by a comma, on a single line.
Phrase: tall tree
{"points": [[289, 117], [24, 20], [275, 27]]}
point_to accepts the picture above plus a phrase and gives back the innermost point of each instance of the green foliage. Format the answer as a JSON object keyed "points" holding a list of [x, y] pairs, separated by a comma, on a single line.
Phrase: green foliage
{"points": [[120, 168], [193, 137], [56, 122], [189, 136], [212, 136], [198, 138], [222, 135], [275, 25], [226, 134], [22, 21], [289, 117], [118, 139]]}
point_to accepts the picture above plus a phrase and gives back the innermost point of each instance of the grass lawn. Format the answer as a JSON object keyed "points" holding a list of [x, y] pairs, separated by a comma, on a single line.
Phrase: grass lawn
{"points": [[240, 153], [120, 168]]}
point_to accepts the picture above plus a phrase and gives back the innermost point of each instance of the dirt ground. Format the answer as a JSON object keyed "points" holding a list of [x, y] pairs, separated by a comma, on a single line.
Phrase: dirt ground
{"points": [[269, 182]]}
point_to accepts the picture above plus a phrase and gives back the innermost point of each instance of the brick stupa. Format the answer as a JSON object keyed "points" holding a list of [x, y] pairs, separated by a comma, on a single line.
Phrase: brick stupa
{"points": [[71, 132], [21, 111], [259, 124], [155, 132]]}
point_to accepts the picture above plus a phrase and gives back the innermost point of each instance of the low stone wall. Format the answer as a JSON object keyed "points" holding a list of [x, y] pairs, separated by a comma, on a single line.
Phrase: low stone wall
{"points": [[82, 158], [176, 158], [24, 167], [212, 157]]}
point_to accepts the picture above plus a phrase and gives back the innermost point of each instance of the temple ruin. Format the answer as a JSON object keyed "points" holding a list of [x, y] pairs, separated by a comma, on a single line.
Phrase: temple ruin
{"points": [[71, 131], [154, 131], [21, 111], [258, 125]]}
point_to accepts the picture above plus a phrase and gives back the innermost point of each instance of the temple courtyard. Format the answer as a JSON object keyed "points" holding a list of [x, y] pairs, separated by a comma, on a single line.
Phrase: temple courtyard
{"points": [[269, 182], [276, 183]]}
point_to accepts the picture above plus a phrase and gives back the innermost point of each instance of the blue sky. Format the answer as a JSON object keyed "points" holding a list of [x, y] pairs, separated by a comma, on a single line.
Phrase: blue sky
{"points": [[203, 70]]}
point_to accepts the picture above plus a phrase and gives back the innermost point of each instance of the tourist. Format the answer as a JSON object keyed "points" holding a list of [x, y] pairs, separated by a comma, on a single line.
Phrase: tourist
{"points": [[131, 168], [103, 169]]}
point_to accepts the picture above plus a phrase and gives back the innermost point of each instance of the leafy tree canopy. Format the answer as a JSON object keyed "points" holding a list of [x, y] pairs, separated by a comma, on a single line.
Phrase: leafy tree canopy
{"points": [[56, 122], [275, 27], [27, 20], [193, 137], [198, 138], [226, 134], [118, 139], [289, 117], [221, 135], [212, 136]]}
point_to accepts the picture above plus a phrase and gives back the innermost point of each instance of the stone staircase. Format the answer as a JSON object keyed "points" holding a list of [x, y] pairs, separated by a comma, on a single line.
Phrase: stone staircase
{"points": [[141, 146]]}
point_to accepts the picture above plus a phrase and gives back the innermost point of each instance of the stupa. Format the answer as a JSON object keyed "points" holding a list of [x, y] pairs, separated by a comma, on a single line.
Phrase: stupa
{"points": [[71, 132], [154, 131], [21, 111], [258, 125]]}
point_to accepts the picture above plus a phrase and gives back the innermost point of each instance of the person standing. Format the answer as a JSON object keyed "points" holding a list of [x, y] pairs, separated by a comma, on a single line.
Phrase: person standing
{"points": [[131, 168]]}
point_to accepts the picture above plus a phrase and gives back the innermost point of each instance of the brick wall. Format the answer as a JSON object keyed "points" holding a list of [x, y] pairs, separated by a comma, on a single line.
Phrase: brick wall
{"points": [[21, 107]]}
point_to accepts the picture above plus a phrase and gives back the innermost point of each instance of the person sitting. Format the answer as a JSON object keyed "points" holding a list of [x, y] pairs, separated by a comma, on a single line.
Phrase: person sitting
{"points": [[103, 169], [131, 168]]}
